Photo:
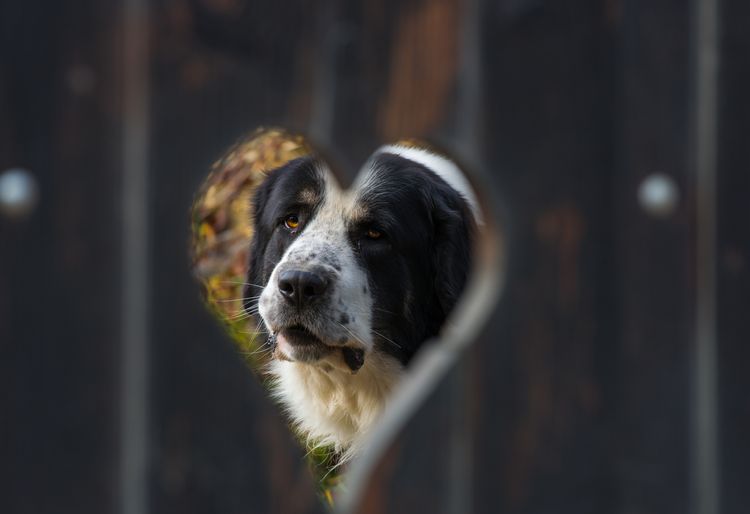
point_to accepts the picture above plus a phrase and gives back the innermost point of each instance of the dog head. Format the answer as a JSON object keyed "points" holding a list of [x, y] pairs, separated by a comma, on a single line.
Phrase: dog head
{"points": [[339, 274]]}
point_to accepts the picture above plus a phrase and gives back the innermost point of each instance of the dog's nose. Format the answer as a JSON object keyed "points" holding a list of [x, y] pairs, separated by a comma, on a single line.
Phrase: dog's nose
{"points": [[301, 287]]}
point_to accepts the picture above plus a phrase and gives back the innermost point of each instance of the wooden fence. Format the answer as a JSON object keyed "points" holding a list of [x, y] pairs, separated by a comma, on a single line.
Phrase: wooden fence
{"points": [[611, 374]]}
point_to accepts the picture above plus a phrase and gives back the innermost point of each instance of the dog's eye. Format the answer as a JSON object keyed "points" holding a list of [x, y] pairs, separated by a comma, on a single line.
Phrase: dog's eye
{"points": [[292, 222], [372, 233]]}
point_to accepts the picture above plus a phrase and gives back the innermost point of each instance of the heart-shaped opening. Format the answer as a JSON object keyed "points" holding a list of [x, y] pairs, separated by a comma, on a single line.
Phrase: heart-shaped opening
{"points": [[333, 295]]}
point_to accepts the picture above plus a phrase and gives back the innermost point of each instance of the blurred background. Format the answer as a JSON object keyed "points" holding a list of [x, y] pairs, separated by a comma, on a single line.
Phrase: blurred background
{"points": [[611, 141]]}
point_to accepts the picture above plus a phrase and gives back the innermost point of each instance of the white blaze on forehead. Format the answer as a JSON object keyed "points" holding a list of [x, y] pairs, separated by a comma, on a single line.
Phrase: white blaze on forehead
{"points": [[339, 205], [442, 167]]}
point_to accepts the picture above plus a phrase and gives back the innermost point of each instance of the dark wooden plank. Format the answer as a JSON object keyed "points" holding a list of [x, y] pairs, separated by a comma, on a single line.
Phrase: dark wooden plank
{"points": [[733, 252], [655, 262], [542, 437], [59, 267], [395, 64], [219, 70]]}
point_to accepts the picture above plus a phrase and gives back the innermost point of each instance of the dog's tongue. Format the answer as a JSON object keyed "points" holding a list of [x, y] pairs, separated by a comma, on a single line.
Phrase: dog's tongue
{"points": [[354, 358]]}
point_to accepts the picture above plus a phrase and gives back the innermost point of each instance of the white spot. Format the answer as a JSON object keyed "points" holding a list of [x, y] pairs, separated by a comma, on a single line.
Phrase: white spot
{"points": [[658, 195], [18, 192]]}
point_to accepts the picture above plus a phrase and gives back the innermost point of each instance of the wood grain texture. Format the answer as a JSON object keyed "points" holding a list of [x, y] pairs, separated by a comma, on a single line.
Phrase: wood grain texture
{"points": [[655, 263], [58, 282], [422, 73], [576, 396], [733, 255], [395, 66]]}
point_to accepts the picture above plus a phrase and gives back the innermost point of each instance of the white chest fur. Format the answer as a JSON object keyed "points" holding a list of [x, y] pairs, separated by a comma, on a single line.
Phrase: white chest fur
{"points": [[333, 407]]}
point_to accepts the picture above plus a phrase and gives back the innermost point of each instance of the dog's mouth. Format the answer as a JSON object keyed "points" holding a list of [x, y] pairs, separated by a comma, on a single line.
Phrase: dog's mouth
{"points": [[297, 343], [298, 335]]}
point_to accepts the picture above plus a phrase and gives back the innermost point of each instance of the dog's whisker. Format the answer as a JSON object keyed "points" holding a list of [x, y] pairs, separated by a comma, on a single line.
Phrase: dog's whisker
{"points": [[248, 332], [242, 283], [390, 341], [260, 350], [251, 308], [243, 317], [241, 312], [244, 314], [258, 330], [352, 333], [237, 299]]}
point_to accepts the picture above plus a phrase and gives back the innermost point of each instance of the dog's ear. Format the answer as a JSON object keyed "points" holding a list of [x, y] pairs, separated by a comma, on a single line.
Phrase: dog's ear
{"points": [[254, 278], [455, 229]]}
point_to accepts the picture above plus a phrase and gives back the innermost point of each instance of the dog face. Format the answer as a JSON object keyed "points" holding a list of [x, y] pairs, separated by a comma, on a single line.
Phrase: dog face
{"points": [[346, 273], [350, 283]]}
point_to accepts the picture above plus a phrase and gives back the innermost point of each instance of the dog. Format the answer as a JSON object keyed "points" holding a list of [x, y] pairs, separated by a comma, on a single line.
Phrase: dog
{"points": [[353, 282]]}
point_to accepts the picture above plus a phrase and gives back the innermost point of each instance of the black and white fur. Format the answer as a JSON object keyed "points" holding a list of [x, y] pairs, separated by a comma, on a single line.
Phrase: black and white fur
{"points": [[354, 281]]}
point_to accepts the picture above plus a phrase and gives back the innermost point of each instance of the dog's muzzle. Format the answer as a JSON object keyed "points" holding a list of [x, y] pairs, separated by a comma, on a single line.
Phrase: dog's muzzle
{"points": [[304, 294]]}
